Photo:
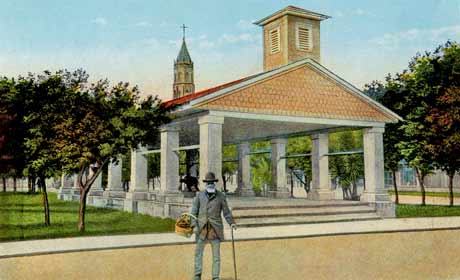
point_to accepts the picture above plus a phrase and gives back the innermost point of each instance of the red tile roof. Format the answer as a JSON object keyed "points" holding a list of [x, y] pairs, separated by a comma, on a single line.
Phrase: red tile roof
{"points": [[195, 95]]}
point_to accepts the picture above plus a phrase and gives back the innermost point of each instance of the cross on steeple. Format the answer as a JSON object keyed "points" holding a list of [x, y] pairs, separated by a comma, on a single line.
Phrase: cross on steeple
{"points": [[183, 30]]}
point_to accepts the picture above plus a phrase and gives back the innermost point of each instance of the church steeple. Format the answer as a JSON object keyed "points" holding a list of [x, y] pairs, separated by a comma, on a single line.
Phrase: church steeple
{"points": [[183, 71]]}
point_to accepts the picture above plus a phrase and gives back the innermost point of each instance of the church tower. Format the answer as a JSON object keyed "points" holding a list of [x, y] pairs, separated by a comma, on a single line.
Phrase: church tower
{"points": [[183, 72]]}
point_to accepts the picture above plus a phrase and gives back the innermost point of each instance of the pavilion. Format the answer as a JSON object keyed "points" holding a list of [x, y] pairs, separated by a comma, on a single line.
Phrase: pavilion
{"points": [[295, 95]]}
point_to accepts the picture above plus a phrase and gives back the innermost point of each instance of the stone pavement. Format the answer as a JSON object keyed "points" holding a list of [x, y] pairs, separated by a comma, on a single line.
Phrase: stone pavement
{"points": [[408, 255], [63, 245]]}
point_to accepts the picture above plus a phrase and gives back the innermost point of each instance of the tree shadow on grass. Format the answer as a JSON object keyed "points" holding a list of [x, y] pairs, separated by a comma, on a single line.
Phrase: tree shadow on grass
{"points": [[37, 211]]}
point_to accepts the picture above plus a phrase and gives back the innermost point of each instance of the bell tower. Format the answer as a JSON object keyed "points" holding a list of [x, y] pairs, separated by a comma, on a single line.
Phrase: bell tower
{"points": [[183, 71], [289, 35]]}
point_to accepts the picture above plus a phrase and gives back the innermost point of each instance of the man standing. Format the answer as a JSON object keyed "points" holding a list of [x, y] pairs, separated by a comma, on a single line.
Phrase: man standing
{"points": [[207, 207]]}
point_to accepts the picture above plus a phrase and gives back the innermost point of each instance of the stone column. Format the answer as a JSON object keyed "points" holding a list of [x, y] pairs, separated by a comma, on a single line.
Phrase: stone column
{"points": [[211, 147], [279, 187], [321, 189], [169, 163], [96, 188], [245, 187], [65, 190], [138, 187], [374, 177], [374, 165], [138, 179], [75, 190], [114, 182]]}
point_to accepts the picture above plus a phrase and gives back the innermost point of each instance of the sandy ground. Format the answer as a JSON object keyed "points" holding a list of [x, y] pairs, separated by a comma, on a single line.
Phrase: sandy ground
{"points": [[415, 255], [430, 200]]}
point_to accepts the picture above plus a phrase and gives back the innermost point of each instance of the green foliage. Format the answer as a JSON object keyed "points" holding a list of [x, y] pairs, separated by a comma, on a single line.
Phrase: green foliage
{"points": [[391, 96], [229, 152], [260, 166], [300, 145], [439, 72], [347, 169]]}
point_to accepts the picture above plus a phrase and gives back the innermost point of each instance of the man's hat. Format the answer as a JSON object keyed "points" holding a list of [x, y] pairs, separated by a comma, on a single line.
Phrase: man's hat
{"points": [[210, 178]]}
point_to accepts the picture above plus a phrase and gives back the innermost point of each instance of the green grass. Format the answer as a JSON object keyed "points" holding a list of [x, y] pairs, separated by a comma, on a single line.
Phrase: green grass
{"points": [[417, 193], [21, 218], [412, 211]]}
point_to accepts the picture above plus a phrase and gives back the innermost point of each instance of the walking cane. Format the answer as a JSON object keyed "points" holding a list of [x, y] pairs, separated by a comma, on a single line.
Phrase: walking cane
{"points": [[234, 258]]}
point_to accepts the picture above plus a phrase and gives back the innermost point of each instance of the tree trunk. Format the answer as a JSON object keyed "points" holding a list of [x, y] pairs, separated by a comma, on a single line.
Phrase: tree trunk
{"points": [[46, 206], [292, 184], [224, 181], [421, 178], [395, 186], [33, 184], [354, 194], [4, 184], [14, 184], [82, 210], [451, 191]]}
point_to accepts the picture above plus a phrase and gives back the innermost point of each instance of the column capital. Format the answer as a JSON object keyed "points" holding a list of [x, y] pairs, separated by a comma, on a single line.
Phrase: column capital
{"points": [[211, 119], [168, 129], [320, 135], [279, 141], [374, 129]]}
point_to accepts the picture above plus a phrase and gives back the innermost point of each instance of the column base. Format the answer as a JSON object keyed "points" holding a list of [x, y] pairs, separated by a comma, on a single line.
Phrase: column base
{"points": [[170, 197], [321, 195], [137, 195], [246, 192], [97, 192], [280, 193], [375, 197], [115, 194]]}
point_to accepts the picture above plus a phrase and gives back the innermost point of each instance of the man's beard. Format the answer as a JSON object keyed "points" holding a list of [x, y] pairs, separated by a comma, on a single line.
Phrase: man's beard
{"points": [[211, 188]]}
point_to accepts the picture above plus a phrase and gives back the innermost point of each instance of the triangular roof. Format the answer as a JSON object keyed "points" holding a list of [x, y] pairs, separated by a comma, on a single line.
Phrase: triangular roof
{"points": [[183, 55], [331, 85]]}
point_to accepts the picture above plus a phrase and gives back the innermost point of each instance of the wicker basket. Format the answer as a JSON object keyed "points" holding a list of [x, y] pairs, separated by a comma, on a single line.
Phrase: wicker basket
{"points": [[184, 225]]}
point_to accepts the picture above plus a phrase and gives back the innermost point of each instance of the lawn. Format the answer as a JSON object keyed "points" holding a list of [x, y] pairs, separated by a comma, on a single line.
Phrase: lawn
{"points": [[416, 193], [412, 211], [21, 218]]}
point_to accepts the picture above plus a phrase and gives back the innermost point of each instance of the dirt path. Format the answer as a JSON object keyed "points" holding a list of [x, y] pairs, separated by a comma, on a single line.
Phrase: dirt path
{"points": [[416, 255], [431, 200]]}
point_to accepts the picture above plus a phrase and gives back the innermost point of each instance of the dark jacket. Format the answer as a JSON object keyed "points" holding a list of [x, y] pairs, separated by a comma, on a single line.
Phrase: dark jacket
{"points": [[206, 209]]}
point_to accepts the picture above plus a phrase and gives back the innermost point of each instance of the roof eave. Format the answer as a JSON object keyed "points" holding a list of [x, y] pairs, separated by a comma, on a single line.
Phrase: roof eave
{"points": [[276, 15]]}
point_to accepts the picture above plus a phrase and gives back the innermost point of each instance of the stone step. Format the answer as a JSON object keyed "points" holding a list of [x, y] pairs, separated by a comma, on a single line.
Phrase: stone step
{"points": [[287, 212], [293, 220], [257, 206]]}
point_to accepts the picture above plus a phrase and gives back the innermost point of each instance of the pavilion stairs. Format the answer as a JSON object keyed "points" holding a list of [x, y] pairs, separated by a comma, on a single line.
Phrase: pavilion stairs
{"points": [[276, 215]]}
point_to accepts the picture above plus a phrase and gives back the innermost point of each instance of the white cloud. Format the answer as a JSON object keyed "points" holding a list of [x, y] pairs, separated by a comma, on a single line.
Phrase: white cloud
{"points": [[394, 40], [100, 21], [339, 14], [232, 38], [361, 12], [245, 24], [356, 12], [143, 24]]}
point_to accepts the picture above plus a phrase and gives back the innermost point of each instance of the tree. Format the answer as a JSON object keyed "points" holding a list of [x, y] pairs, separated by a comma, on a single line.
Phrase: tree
{"points": [[260, 166], [101, 123], [228, 167], [418, 96], [300, 145], [441, 74], [43, 100], [347, 169]]}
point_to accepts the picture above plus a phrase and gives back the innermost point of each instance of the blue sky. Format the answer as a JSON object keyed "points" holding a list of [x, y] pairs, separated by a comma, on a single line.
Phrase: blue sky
{"points": [[137, 40]]}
